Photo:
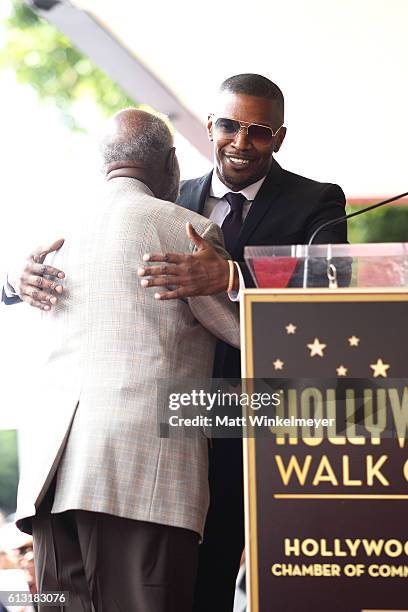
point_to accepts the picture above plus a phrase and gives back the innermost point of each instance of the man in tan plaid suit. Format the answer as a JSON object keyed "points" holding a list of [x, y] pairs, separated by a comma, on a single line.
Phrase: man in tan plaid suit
{"points": [[117, 511]]}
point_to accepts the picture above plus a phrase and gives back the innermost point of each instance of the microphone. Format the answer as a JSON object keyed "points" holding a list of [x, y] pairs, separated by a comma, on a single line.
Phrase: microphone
{"points": [[354, 214], [340, 220]]}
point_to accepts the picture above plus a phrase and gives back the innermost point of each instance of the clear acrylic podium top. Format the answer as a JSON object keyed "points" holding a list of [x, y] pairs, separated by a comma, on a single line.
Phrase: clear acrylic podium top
{"points": [[329, 265]]}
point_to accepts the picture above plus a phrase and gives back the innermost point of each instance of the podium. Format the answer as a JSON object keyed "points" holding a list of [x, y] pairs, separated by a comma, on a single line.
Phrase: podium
{"points": [[326, 468]]}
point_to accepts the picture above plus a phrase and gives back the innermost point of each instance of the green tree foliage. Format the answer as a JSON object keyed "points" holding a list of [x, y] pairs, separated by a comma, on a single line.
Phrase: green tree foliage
{"points": [[8, 470], [387, 224], [45, 59]]}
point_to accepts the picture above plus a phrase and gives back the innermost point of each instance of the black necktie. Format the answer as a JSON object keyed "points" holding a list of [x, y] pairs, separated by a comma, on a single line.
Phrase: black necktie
{"points": [[232, 223]]}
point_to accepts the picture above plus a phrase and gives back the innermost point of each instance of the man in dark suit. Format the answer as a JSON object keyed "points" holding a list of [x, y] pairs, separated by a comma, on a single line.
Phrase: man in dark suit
{"points": [[273, 207], [255, 202]]}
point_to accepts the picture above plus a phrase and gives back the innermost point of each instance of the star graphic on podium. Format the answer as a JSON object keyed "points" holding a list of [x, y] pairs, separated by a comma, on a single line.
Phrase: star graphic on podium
{"points": [[354, 341], [316, 348], [341, 371], [290, 329], [380, 368], [278, 364]]}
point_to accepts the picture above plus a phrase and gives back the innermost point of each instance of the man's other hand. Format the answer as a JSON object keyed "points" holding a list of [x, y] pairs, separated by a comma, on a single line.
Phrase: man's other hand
{"points": [[32, 286], [203, 272]]}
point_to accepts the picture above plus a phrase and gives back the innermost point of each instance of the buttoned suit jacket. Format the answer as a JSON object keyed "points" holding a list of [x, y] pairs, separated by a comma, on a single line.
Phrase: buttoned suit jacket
{"points": [[111, 342], [287, 210]]}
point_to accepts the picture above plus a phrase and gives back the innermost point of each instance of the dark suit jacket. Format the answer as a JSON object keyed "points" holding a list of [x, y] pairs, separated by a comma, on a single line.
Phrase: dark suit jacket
{"points": [[287, 210]]}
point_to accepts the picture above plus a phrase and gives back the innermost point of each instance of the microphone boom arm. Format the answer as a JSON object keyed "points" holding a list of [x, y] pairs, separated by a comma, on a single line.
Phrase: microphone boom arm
{"points": [[354, 214]]}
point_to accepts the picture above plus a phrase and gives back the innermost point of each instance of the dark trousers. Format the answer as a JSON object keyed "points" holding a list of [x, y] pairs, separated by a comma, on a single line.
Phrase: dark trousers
{"points": [[221, 550], [112, 564]]}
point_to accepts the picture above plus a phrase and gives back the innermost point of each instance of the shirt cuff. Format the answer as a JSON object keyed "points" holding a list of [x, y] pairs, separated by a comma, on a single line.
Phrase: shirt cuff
{"points": [[235, 296], [9, 291]]}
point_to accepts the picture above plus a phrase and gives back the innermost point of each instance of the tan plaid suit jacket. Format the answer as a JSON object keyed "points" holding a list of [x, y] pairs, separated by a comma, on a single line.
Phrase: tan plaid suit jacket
{"points": [[110, 343]]}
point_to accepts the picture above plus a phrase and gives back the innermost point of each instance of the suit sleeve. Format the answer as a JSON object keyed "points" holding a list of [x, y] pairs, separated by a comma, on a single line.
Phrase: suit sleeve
{"points": [[248, 280], [217, 313], [330, 206]]}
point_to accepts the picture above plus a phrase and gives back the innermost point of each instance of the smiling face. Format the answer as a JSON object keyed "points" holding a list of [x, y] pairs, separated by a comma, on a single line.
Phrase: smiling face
{"points": [[239, 162]]}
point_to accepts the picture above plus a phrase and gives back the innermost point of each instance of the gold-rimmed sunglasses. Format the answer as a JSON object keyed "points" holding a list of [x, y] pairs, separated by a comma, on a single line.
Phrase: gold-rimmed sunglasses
{"points": [[230, 128]]}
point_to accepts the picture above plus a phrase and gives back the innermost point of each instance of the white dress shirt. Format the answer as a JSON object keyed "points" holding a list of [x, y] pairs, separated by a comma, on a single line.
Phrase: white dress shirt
{"points": [[9, 288], [217, 208]]}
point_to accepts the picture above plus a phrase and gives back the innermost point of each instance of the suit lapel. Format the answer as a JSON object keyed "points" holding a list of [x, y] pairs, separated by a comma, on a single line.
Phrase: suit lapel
{"points": [[195, 196], [262, 204], [195, 192]]}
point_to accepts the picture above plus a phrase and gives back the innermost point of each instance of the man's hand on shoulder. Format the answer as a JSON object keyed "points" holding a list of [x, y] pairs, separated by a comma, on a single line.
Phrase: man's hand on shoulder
{"points": [[203, 272], [39, 284]]}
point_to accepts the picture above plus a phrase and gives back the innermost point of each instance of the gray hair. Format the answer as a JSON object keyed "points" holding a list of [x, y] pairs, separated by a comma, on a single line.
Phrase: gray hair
{"points": [[145, 144]]}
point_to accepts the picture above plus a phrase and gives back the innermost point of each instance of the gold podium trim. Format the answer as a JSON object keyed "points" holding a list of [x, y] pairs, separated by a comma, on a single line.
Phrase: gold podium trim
{"points": [[251, 532]]}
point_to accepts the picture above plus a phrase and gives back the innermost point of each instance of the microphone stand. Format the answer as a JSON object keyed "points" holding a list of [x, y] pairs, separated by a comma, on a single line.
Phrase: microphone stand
{"points": [[336, 222]]}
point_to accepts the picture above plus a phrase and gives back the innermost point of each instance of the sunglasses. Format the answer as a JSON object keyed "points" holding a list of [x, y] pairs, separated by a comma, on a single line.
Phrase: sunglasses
{"points": [[230, 128]]}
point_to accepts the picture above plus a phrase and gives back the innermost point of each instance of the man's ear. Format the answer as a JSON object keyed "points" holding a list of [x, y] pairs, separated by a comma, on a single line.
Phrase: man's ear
{"points": [[210, 127], [171, 160], [280, 137]]}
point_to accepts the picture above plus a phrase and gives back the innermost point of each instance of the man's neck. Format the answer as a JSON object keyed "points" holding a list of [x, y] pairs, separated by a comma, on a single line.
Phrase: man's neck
{"points": [[134, 172], [218, 188], [126, 172]]}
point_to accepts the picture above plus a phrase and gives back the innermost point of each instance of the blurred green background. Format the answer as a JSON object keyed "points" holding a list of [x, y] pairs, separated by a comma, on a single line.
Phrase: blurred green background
{"points": [[387, 224], [8, 470], [46, 60]]}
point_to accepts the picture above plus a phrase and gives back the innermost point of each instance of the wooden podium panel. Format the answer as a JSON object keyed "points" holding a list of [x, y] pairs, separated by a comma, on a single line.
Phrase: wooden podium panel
{"points": [[327, 503]]}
